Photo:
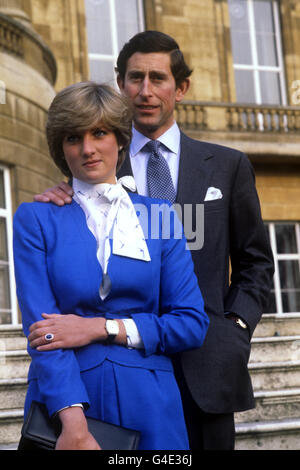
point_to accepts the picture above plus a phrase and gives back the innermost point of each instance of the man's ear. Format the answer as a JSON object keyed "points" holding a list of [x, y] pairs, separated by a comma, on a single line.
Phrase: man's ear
{"points": [[120, 83], [182, 89]]}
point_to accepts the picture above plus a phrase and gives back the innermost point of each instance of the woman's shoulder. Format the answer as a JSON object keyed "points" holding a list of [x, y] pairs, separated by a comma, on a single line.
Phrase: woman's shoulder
{"points": [[26, 208], [41, 210]]}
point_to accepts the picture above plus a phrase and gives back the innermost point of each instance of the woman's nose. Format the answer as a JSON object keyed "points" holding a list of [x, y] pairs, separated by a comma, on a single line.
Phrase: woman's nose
{"points": [[88, 146]]}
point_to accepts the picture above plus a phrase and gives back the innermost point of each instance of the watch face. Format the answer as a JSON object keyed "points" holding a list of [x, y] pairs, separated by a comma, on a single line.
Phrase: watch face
{"points": [[112, 327]]}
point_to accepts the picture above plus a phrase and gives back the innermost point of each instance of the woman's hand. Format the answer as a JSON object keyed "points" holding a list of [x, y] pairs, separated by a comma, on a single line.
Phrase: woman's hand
{"points": [[70, 331], [75, 434]]}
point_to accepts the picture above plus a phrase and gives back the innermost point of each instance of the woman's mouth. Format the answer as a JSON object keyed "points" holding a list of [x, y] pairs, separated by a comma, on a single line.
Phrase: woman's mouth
{"points": [[91, 163]]}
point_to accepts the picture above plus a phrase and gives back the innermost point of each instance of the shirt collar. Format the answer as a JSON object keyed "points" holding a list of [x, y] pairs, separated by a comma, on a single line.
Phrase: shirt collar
{"points": [[97, 190], [171, 139], [90, 189]]}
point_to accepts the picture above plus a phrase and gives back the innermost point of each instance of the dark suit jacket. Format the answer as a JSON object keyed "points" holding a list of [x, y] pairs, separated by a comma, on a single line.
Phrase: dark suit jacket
{"points": [[217, 373]]}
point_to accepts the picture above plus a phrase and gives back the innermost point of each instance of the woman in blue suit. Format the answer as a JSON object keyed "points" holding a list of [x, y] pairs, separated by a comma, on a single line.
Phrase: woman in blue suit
{"points": [[105, 285]]}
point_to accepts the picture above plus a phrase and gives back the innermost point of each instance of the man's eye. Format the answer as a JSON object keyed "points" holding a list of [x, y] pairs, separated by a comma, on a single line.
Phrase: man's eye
{"points": [[136, 78]]}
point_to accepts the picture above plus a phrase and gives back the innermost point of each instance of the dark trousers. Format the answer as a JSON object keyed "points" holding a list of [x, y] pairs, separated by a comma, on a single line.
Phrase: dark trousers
{"points": [[206, 431]]}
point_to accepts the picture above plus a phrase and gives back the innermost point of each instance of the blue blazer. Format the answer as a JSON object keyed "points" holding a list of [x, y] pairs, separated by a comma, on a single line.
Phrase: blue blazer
{"points": [[57, 271]]}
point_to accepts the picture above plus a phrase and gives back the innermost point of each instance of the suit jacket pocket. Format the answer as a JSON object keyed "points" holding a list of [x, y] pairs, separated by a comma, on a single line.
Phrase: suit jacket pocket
{"points": [[236, 343], [215, 205]]}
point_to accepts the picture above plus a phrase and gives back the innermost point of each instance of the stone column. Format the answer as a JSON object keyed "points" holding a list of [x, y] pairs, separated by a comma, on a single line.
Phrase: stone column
{"points": [[27, 79]]}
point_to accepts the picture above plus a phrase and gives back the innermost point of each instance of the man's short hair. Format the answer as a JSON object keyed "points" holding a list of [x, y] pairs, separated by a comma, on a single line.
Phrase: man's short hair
{"points": [[154, 41]]}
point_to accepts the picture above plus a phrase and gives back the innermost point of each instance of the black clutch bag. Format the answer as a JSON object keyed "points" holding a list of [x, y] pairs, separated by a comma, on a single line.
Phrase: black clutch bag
{"points": [[41, 432]]}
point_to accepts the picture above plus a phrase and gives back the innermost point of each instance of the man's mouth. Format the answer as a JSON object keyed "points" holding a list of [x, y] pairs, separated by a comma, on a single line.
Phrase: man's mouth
{"points": [[146, 107]]}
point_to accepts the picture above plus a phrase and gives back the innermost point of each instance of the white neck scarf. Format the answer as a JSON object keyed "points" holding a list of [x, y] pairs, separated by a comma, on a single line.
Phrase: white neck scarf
{"points": [[110, 214]]}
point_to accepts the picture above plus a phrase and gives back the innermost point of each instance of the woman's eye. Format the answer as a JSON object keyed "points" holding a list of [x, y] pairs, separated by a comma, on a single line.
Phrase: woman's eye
{"points": [[99, 132], [72, 138]]}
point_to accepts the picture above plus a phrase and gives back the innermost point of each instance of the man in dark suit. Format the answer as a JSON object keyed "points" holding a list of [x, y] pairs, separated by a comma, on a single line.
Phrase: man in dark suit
{"points": [[214, 380]]}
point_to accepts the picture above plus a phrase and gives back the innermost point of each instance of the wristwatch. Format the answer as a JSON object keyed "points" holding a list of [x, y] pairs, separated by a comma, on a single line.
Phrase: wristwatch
{"points": [[112, 329]]}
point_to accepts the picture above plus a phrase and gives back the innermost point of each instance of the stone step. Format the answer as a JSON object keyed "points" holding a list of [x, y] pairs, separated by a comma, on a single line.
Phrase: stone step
{"points": [[269, 435], [11, 446], [285, 324], [275, 348], [12, 393], [271, 405], [14, 364], [275, 375], [12, 338], [11, 422]]}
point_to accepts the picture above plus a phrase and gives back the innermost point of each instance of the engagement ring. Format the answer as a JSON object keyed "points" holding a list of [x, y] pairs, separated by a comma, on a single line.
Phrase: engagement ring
{"points": [[49, 336]]}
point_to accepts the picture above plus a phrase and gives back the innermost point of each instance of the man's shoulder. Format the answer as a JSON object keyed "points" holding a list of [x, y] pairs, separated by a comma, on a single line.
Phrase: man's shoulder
{"points": [[210, 148]]}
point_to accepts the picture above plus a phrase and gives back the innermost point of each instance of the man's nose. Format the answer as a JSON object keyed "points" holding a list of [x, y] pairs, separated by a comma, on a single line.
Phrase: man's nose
{"points": [[146, 88], [88, 147]]}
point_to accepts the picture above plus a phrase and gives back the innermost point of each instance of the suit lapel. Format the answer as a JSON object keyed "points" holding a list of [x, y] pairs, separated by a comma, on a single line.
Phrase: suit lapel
{"points": [[195, 171]]}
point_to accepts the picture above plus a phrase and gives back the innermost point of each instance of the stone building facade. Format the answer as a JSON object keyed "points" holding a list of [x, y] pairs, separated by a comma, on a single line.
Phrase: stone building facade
{"points": [[245, 93]]}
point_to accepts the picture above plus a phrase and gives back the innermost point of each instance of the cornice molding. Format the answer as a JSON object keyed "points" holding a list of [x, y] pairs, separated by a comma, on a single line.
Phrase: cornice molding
{"points": [[12, 41]]}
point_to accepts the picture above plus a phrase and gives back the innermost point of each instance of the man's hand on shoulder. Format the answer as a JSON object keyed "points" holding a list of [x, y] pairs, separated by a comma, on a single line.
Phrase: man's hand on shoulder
{"points": [[59, 195]]}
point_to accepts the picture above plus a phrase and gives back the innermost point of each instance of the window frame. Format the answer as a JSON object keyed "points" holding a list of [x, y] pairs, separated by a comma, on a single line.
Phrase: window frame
{"points": [[282, 257], [6, 213], [114, 34], [255, 68]]}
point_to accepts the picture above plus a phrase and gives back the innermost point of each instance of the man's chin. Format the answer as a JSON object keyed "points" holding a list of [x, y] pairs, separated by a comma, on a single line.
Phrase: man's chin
{"points": [[146, 125]]}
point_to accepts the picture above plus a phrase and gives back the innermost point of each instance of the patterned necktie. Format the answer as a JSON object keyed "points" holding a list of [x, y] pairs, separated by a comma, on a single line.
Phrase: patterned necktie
{"points": [[159, 179]]}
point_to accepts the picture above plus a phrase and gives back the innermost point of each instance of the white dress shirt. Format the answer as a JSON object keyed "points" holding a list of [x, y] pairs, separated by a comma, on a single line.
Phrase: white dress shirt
{"points": [[139, 157]]}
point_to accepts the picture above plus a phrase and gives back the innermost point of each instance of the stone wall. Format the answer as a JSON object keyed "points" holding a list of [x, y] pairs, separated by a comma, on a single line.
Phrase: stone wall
{"points": [[61, 23], [279, 190], [28, 72], [42, 49]]}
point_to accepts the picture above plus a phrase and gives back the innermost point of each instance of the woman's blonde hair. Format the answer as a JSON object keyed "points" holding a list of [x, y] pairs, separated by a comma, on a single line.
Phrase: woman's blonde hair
{"points": [[81, 107]]}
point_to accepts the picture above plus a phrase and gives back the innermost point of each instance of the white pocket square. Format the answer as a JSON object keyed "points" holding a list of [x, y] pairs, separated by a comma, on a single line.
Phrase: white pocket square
{"points": [[212, 194]]}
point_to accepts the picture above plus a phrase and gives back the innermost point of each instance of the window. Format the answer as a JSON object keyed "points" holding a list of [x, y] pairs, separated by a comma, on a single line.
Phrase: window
{"points": [[256, 49], [8, 309], [285, 242], [110, 23]]}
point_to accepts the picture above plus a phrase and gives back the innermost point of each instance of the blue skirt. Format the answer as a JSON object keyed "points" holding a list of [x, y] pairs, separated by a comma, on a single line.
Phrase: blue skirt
{"points": [[137, 398]]}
